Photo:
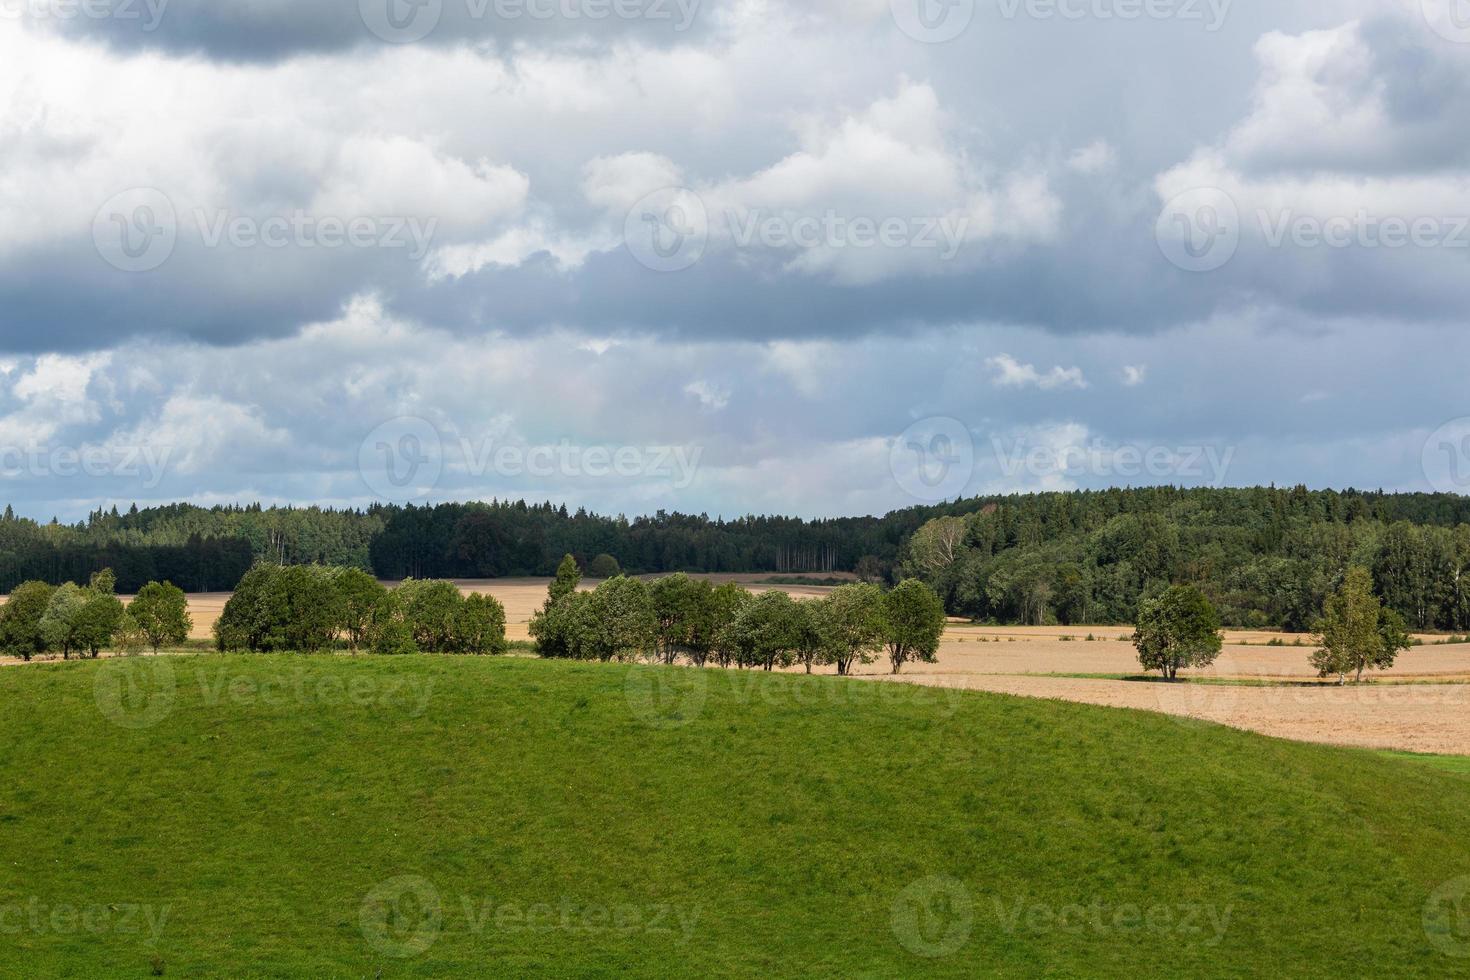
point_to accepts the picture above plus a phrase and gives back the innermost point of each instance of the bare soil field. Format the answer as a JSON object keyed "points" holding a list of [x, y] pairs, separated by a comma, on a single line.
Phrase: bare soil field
{"points": [[1421, 705]]}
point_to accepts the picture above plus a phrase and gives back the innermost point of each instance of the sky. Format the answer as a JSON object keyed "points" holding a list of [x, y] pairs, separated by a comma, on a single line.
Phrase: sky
{"points": [[728, 256]]}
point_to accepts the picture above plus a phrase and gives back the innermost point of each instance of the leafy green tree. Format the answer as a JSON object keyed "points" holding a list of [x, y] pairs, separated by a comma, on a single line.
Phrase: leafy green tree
{"points": [[128, 637], [568, 578], [103, 582], [813, 639], [430, 609], [1356, 632], [59, 621], [713, 634], [246, 623], [856, 623], [389, 632], [765, 632], [604, 567], [358, 596], [308, 607], [479, 626], [675, 607], [915, 623], [20, 620], [1178, 629], [937, 545], [97, 621], [161, 611], [616, 622]]}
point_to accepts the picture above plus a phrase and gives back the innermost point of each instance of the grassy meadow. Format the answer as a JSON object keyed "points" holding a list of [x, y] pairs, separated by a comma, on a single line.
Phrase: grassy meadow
{"points": [[278, 816]]}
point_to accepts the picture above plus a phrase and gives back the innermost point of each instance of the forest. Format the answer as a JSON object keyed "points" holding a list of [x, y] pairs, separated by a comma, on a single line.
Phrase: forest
{"points": [[1265, 556]]}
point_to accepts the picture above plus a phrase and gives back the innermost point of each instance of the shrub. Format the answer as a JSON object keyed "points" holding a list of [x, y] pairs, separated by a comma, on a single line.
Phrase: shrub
{"points": [[604, 567]]}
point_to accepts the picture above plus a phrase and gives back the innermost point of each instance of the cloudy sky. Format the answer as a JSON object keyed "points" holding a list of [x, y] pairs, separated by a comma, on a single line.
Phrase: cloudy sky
{"points": [[731, 256]]}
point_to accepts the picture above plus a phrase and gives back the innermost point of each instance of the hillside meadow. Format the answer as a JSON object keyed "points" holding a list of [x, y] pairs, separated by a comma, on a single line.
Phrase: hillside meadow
{"points": [[272, 816]]}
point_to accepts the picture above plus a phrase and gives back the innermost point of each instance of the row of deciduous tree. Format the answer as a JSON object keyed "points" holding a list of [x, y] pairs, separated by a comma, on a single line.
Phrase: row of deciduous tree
{"points": [[86, 619], [310, 608], [725, 625], [1180, 628]]}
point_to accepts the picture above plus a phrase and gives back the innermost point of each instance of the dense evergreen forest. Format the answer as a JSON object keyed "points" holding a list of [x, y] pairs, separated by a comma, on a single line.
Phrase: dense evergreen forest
{"points": [[1264, 556]]}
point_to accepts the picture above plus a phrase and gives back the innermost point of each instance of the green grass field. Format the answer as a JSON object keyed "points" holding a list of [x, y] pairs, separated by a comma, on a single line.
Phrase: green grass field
{"points": [[335, 817]]}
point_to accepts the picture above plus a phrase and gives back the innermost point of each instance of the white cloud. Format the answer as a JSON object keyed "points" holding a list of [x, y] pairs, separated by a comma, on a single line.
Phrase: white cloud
{"points": [[1011, 373], [712, 397], [1134, 375]]}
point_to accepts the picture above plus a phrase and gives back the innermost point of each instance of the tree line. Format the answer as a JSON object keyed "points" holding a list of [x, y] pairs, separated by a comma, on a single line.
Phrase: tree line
{"points": [[675, 617], [1266, 557], [311, 608], [40, 618]]}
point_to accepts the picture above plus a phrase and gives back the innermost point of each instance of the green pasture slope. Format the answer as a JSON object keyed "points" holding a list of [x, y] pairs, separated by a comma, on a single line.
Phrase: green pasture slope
{"points": [[217, 816]]}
